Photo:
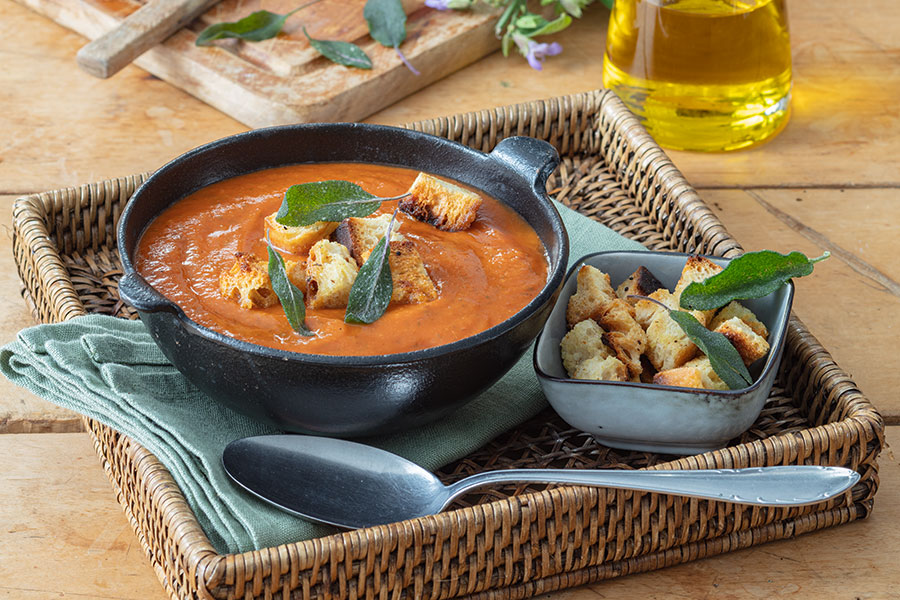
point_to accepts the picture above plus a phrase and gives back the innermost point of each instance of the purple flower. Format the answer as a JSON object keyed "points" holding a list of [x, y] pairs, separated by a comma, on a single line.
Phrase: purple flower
{"points": [[438, 4], [536, 52]]}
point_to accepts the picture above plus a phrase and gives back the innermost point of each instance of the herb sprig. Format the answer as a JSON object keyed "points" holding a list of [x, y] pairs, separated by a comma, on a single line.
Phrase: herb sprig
{"points": [[290, 296], [372, 290], [331, 200]]}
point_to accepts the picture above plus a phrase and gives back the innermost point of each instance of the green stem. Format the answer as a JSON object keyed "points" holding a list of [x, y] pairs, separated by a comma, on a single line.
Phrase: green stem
{"points": [[301, 7], [506, 16]]}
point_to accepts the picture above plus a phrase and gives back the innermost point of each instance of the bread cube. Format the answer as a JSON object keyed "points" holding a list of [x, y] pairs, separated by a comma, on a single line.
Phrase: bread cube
{"points": [[668, 346], [599, 368], [640, 283], [441, 203], [297, 240], [627, 350], [247, 282], [584, 341], [330, 273], [711, 381], [736, 309], [593, 293], [361, 234], [411, 282], [680, 377], [749, 345]]}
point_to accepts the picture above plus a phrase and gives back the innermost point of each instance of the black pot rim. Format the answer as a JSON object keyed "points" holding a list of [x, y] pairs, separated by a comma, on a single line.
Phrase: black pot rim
{"points": [[555, 275]]}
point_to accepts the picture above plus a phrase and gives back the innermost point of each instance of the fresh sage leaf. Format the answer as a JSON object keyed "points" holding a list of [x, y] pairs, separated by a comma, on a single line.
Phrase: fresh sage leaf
{"points": [[343, 53], [723, 356], [331, 200], [547, 27], [291, 296], [255, 27], [387, 21], [751, 275], [373, 287]]}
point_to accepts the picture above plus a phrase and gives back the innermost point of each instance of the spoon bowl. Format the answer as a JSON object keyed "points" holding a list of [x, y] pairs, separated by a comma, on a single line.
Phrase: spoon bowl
{"points": [[353, 485]]}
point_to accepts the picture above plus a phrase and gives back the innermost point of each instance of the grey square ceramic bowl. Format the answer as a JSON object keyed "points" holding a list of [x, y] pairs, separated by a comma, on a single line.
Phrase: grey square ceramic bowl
{"points": [[657, 418]]}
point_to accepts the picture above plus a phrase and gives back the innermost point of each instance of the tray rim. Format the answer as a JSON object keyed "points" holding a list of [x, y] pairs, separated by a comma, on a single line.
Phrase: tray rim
{"points": [[31, 238]]}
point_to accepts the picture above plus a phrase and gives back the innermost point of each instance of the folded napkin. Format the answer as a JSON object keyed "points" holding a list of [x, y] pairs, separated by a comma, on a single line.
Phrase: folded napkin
{"points": [[111, 370]]}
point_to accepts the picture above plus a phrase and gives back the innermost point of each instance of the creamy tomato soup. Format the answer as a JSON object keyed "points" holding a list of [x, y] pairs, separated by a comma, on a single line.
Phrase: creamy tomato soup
{"points": [[484, 274]]}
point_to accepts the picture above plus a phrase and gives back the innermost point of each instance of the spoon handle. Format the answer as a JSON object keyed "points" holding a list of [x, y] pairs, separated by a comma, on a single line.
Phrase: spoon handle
{"points": [[767, 486]]}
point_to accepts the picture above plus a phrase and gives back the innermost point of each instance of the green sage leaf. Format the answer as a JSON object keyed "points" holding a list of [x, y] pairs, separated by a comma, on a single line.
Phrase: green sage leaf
{"points": [[331, 200], [723, 357], [540, 26], [387, 21], [291, 296], [343, 53], [751, 275], [255, 27], [372, 289]]}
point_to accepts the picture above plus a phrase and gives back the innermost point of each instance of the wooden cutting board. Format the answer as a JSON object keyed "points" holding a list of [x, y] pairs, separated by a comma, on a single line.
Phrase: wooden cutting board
{"points": [[283, 80]]}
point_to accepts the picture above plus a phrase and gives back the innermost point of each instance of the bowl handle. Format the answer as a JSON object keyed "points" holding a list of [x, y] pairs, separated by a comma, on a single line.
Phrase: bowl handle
{"points": [[134, 290], [532, 159]]}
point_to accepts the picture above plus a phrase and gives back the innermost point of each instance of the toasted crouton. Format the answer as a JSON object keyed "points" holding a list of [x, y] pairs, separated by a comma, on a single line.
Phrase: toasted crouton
{"points": [[711, 381], [698, 269], [736, 309], [749, 345], [645, 310], [593, 294], [296, 273], [330, 273], [440, 203], [297, 240], [247, 282], [640, 283], [680, 377], [585, 340], [668, 346], [602, 369], [412, 284], [361, 234], [627, 350]]}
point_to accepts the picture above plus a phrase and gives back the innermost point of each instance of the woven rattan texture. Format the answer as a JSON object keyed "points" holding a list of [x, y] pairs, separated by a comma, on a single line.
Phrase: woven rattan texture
{"points": [[513, 542]]}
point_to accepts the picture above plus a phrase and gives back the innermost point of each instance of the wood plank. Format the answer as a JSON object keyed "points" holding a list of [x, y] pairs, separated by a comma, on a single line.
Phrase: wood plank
{"points": [[59, 511], [851, 311], [63, 531], [304, 88]]}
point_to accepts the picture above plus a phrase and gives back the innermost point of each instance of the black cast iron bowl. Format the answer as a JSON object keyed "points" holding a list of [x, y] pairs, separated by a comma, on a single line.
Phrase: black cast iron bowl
{"points": [[347, 395]]}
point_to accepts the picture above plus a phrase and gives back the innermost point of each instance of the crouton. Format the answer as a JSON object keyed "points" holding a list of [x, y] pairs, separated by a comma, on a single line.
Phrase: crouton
{"points": [[645, 310], [749, 345], [640, 283], [296, 273], [593, 293], [297, 240], [361, 234], [603, 369], [584, 341], [680, 377], [711, 381], [698, 269], [247, 282], [736, 309], [412, 284], [627, 350], [330, 273], [440, 203], [668, 346]]}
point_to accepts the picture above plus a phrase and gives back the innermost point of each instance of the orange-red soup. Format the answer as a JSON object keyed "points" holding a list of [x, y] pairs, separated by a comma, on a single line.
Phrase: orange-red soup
{"points": [[484, 274]]}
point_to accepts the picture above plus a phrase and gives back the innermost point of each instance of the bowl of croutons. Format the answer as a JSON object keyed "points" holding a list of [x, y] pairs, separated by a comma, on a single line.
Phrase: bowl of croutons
{"points": [[622, 359]]}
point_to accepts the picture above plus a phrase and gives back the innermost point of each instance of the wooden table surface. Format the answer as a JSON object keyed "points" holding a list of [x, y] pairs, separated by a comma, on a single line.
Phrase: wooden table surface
{"points": [[828, 182]]}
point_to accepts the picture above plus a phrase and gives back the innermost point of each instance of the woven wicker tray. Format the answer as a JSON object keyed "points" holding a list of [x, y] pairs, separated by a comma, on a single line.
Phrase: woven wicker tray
{"points": [[513, 542]]}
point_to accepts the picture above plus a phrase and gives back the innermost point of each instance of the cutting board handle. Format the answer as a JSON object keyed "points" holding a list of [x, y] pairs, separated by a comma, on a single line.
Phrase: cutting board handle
{"points": [[138, 32]]}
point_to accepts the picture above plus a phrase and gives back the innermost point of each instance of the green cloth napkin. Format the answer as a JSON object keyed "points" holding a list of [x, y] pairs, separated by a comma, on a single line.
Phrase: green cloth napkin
{"points": [[111, 370]]}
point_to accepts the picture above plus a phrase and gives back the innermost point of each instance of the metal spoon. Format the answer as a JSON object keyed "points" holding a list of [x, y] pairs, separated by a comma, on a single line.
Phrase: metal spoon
{"points": [[353, 485]]}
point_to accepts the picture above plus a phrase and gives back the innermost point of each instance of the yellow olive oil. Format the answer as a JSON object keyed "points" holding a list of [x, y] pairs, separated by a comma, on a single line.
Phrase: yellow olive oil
{"points": [[702, 74]]}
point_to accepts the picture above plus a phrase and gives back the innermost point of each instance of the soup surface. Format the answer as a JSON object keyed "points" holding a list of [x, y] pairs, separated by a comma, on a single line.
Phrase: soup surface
{"points": [[484, 274]]}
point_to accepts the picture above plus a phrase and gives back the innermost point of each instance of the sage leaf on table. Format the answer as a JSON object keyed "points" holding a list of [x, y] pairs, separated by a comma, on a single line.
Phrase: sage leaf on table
{"points": [[373, 287], [387, 21], [343, 53], [291, 296], [255, 27], [331, 200], [751, 275], [723, 357]]}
